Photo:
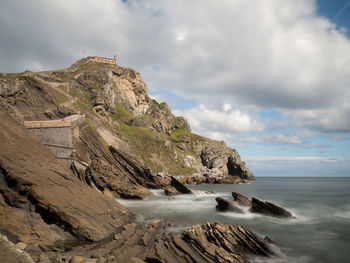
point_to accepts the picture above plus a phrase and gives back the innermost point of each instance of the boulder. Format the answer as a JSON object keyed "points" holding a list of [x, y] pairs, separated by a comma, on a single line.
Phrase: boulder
{"points": [[269, 209], [136, 122], [241, 199], [228, 205], [179, 186]]}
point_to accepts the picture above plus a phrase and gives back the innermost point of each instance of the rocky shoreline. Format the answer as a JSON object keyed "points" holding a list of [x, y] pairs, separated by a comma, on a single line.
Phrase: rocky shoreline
{"points": [[125, 145]]}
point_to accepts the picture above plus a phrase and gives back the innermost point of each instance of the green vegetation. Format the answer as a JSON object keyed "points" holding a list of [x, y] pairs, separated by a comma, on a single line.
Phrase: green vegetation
{"points": [[178, 134], [151, 146], [122, 114]]}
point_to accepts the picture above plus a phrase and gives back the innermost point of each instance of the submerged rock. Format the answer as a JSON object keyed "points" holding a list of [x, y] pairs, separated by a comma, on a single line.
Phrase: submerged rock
{"points": [[269, 209]]}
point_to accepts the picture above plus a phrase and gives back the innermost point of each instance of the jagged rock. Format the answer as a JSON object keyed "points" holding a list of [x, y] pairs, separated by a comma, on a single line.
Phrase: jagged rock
{"points": [[228, 205], [112, 169], [140, 172], [55, 195], [157, 242], [269, 209], [164, 120], [179, 186], [225, 160], [241, 199]]}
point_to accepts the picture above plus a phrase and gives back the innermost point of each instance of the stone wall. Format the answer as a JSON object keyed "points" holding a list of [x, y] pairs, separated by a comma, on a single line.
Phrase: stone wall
{"points": [[56, 135]]}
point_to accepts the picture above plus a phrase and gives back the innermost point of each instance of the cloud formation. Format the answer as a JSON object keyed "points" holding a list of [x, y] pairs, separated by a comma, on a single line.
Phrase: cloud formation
{"points": [[203, 118], [271, 54]]}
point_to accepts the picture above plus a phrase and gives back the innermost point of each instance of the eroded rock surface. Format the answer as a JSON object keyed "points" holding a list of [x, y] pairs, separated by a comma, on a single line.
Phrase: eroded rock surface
{"points": [[270, 209], [241, 199], [39, 189], [161, 242]]}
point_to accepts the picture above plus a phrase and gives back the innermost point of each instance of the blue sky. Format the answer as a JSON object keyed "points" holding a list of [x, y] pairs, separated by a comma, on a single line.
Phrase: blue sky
{"points": [[270, 77]]}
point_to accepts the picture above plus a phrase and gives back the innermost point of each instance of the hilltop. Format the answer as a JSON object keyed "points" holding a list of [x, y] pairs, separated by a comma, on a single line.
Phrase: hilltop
{"points": [[124, 144]]}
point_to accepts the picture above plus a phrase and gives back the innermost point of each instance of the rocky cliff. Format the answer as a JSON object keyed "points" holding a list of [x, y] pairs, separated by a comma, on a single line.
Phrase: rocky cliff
{"points": [[126, 144], [120, 114]]}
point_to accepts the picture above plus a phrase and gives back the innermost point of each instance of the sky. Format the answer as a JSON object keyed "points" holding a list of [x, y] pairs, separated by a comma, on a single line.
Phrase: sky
{"points": [[271, 78]]}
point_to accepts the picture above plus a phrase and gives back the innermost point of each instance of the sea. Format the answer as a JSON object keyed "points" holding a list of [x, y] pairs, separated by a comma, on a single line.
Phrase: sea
{"points": [[320, 232]]}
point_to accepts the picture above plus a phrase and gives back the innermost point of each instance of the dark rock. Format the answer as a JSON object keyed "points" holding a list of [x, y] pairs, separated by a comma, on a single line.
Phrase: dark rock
{"points": [[269, 209], [241, 199], [179, 186], [228, 205]]}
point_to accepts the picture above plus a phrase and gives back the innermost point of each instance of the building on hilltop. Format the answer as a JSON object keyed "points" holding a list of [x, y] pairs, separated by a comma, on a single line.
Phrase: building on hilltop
{"points": [[103, 60]]}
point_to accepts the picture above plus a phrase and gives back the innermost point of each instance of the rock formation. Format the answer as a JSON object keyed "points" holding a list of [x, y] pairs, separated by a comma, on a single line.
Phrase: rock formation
{"points": [[228, 205], [268, 208], [121, 114], [255, 205], [127, 144], [241, 199]]}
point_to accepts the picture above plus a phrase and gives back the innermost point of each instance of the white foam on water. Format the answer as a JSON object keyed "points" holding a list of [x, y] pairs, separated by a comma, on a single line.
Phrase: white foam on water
{"points": [[343, 215], [157, 192]]}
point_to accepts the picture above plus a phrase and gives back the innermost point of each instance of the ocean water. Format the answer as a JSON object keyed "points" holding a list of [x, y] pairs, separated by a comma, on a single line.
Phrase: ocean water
{"points": [[321, 232]]}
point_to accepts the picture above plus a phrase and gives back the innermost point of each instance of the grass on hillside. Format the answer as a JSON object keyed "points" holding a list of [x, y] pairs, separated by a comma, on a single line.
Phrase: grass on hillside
{"points": [[151, 147]]}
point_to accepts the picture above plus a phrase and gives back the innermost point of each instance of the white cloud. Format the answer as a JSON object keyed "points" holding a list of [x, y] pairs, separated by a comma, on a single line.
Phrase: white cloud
{"points": [[282, 139], [226, 107], [214, 121]]}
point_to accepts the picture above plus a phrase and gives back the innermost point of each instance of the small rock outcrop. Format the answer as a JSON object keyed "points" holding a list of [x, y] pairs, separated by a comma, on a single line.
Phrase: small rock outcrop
{"points": [[241, 199], [269, 209], [228, 205], [255, 206], [179, 186], [164, 120], [226, 160]]}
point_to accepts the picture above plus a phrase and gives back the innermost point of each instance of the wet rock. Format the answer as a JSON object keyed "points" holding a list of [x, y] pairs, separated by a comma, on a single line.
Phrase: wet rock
{"points": [[228, 205], [269, 209], [241, 199], [170, 190], [179, 186]]}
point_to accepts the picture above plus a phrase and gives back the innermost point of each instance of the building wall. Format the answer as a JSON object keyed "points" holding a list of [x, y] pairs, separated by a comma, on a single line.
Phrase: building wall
{"points": [[58, 140], [103, 60]]}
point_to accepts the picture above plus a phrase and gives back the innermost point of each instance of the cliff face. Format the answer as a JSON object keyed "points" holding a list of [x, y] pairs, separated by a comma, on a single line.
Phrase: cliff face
{"points": [[120, 114], [126, 144]]}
